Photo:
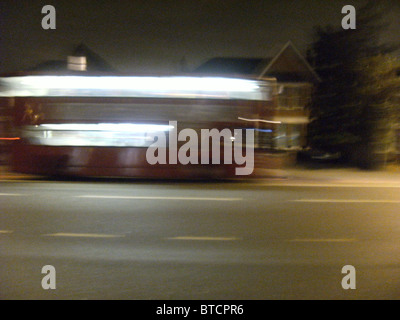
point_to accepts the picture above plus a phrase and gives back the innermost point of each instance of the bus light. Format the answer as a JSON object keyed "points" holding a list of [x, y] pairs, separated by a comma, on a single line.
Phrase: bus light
{"points": [[10, 139]]}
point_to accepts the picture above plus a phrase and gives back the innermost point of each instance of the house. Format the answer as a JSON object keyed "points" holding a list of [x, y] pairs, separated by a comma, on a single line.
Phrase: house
{"points": [[82, 58], [296, 80]]}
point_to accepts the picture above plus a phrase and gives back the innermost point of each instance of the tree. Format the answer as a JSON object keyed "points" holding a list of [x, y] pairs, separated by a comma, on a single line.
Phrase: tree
{"points": [[358, 80], [377, 86]]}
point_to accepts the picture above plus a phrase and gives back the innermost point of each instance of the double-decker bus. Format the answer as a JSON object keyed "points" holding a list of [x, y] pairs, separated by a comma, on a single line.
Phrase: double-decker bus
{"points": [[104, 125]]}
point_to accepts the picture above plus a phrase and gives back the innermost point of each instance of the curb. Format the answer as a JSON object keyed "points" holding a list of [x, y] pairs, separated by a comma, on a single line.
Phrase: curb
{"points": [[279, 176]]}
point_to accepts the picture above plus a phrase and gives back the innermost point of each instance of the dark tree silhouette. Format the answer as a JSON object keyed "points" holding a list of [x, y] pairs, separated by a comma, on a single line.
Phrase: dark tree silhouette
{"points": [[354, 98]]}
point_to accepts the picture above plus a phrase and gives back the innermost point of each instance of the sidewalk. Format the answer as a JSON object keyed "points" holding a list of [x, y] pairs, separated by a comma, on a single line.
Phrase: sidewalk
{"points": [[297, 175], [388, 176]]}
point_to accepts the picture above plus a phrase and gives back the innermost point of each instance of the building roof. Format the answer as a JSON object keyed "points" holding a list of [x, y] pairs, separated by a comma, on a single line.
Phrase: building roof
{"points": [[95, 63], [221, 65], [288, 65]]}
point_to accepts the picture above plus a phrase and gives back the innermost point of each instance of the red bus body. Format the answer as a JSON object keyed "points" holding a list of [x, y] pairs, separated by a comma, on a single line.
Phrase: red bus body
{"points": [[123, 154]]}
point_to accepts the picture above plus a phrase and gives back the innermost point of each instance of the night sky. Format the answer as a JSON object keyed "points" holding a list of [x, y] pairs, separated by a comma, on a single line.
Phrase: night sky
{"points": [[146, 36]]}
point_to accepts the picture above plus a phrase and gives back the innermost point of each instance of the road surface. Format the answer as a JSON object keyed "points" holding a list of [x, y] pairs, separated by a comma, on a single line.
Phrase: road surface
{"points": [[113, 239]]}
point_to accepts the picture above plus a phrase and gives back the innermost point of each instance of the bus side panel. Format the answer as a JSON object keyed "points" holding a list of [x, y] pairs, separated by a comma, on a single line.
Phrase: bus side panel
{"points": [[103, 162]]}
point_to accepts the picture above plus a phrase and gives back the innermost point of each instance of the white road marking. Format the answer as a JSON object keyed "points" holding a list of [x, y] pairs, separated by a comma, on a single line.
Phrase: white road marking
{"points": [[189, 238], [322, 240], [344, 201], [6, 231], [160, 198], [12, 194], [84, 235]]}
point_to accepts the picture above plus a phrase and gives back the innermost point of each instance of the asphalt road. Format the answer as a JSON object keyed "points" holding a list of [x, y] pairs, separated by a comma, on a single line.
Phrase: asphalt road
{"points": [[198, 240]]}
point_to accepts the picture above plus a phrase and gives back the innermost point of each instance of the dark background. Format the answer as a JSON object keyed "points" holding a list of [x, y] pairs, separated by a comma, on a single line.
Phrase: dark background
{"points": [[156, 36]]}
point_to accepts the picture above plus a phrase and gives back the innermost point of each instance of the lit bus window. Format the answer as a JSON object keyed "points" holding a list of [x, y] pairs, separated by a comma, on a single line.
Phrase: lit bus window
{"points": [[142, 87], [94, 135]]}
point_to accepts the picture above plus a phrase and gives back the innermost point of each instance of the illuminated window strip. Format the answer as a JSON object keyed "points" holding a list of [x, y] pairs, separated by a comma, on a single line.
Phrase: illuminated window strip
{"points": [[114, 127], [99, 135], [178, 87]]}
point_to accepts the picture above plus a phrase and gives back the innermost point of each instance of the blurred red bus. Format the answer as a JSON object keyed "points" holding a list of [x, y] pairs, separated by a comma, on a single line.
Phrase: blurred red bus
{"points": [[102, 125]]}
